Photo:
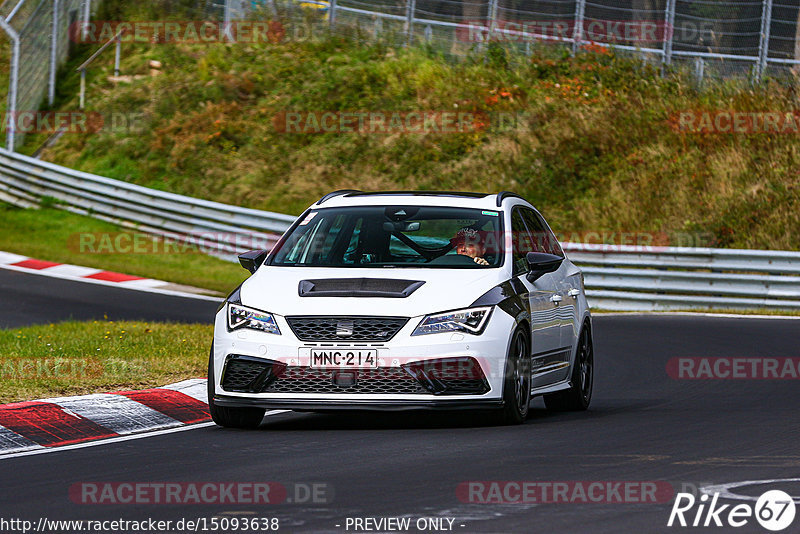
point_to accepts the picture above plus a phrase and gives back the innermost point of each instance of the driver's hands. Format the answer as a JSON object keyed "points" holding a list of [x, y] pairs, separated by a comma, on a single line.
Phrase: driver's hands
{"points": [[481, 261]]}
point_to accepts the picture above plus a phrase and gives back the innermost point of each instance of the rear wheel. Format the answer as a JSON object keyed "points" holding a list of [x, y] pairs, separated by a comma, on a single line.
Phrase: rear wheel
{"points": [[517, 384], [230, 417], [579, 395]]}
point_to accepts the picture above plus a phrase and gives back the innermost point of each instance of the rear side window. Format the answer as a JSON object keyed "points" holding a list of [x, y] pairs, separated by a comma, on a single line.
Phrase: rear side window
{"points": [[541, 236]]}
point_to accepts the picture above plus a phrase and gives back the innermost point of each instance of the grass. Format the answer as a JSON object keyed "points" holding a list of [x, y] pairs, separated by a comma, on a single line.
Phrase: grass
{"points": [[594, 146], [75, 358], [55, 235]]}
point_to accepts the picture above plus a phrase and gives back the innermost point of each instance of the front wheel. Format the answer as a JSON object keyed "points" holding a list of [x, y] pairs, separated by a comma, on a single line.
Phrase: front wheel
{"points": [[517, 384], [579, 395], [230, 417]]}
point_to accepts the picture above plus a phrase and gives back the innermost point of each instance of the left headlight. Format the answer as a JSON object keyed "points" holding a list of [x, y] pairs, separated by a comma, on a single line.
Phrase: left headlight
{"points": [[469, 320], [242, 317]]}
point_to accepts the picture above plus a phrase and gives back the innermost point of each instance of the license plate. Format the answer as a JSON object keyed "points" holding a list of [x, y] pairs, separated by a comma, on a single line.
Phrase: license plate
{"points": [[344, 358]]}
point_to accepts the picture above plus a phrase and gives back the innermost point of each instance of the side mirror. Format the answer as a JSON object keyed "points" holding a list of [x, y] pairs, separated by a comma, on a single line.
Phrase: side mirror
{"points": [[541, 263], [252, 259]]}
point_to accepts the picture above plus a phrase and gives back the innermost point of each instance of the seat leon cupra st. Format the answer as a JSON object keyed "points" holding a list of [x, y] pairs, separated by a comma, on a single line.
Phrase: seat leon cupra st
{"points": [[405, 300]]}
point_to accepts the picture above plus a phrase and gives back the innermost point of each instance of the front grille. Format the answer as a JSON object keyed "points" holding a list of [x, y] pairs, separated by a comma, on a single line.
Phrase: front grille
{"points": [[380, 380], [336, 328]]}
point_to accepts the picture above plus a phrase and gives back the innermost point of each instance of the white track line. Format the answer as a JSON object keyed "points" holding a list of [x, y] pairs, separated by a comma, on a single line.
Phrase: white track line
{"points": [[694, 314], [119, 439]]}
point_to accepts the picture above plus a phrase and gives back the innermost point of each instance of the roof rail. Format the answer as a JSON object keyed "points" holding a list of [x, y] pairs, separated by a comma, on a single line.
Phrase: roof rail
{"points": [[502, 195], [336, 194]]}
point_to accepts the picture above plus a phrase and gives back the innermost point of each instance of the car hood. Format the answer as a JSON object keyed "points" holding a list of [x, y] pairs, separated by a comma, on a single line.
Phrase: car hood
{"points": [[277, 290]]}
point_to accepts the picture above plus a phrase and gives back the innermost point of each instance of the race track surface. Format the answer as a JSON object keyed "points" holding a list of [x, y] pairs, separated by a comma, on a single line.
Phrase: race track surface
{"points": [[643, 426]]}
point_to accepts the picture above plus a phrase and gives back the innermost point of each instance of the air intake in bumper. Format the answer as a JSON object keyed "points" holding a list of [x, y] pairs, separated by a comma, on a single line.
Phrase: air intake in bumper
{"points": [[450, 376], [246, 374]]}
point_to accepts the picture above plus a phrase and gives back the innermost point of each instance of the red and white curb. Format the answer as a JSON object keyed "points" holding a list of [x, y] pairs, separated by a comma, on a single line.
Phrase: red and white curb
{"points": [[62, 421], [16, 262]]}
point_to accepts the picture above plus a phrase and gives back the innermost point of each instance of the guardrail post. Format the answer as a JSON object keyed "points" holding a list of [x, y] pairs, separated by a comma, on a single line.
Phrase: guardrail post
{"points": [[577, 33], [669, 32], [332, 15], [51, 83], [763, 43], [411, 6]]}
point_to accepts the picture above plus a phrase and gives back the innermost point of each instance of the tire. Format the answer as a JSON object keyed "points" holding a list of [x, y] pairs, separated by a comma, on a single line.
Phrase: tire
{"points": [[517, 383], [579, 395], [230, 417]]}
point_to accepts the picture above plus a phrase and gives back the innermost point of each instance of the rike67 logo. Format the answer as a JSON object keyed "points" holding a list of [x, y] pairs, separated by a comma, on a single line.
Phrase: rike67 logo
{"points": [[774, 510]]}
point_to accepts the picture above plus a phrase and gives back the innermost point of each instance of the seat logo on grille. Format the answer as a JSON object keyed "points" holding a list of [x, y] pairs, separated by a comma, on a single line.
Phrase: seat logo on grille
{"points": [[344, 328]]}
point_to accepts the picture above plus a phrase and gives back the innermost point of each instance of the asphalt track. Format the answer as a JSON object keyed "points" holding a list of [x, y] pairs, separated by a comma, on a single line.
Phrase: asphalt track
{"points": [[642, 426], [35, 299]]}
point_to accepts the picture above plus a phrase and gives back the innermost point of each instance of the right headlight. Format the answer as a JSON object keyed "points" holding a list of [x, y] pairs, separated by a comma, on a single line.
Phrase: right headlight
{"points": [[469, 320], [242, 317]]}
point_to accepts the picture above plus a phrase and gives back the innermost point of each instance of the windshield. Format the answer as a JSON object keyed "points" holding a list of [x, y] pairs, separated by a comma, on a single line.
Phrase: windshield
{"points": [[394, 236]]}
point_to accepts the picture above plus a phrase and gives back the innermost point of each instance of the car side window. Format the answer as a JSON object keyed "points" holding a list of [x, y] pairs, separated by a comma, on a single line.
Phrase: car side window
{"points": [[520, 242], [541, 236]]}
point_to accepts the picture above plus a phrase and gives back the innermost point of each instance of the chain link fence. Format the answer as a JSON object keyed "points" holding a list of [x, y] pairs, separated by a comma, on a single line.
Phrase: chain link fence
{"points": [[38, 33], [718, 38]]}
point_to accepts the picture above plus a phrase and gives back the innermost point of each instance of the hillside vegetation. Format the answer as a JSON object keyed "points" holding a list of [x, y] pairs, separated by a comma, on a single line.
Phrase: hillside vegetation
{"points": [[595, 145]]}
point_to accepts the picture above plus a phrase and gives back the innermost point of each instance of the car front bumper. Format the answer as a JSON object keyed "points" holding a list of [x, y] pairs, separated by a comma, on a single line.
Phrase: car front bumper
{"points": [[489, 350]]}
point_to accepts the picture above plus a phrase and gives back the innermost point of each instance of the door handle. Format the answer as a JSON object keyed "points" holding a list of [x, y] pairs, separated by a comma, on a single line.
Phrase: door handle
{"points": [[556, 299], [574, 293]]}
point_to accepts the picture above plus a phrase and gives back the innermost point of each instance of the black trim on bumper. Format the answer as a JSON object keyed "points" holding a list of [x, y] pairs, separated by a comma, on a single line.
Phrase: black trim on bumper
{"points": [[339, 405]]}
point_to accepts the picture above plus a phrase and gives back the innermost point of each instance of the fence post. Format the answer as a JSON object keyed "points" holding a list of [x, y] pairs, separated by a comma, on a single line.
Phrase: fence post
{"points": [[492, 18], [82, 101], [51, 82], [763, 43], [87, 14], [577, 33], [411, 6], [669, 31], [699, 69], [117, 50], [332, 15], [11, 108]]}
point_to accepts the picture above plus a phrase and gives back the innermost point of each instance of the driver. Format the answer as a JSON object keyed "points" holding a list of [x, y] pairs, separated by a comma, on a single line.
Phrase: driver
{"points": [[468, 243]]}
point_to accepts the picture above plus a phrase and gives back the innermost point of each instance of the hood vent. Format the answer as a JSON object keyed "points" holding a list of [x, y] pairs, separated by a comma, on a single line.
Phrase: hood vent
{"points": [[358, 287]]}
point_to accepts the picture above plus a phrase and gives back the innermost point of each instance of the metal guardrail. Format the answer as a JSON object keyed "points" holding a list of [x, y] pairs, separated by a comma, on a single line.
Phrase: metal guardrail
{"points": [[221, 229], [625, 277], [618, 277]]}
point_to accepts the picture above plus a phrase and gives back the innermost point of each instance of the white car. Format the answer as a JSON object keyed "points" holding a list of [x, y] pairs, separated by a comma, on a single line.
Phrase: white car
{"points": [[405, 300]]}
